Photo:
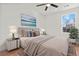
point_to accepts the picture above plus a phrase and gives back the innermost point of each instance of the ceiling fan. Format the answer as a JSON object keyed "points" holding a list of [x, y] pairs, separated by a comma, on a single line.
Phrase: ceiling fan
{"points": [[47, 5]]}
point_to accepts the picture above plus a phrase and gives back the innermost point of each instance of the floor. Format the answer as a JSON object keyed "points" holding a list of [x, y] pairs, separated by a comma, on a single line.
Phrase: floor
{"points": [[11, 53], [14, 52], [77, 50]]}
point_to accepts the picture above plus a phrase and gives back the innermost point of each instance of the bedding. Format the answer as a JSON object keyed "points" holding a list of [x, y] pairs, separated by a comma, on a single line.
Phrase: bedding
{"points": [[28, 32], [25, 41], [45, 45]]}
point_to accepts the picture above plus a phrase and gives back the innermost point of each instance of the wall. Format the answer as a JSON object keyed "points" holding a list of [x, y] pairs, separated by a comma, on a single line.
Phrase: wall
{"points": [[1, 41], [53, 21], [0, 20], [11, 14]]}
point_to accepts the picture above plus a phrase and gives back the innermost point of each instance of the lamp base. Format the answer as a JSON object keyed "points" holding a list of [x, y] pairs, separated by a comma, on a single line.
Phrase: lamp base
{"points": [[13, 37]]}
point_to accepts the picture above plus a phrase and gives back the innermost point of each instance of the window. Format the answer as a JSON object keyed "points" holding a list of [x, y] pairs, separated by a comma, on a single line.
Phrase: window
{"points": [[67, 22]]}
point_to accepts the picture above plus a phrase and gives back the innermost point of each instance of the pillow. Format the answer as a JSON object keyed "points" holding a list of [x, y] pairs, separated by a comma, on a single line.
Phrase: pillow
{"points": [[34, 34], [28, 32], [22, 33]]}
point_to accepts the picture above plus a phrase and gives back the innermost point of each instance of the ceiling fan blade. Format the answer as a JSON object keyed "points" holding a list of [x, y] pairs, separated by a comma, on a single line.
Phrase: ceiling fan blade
{"points": [[46, 8], [40, 5], [54, 5]]}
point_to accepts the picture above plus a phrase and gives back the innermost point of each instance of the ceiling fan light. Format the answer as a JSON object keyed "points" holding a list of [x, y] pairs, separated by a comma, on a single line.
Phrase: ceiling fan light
{"points": [[48, 5]]}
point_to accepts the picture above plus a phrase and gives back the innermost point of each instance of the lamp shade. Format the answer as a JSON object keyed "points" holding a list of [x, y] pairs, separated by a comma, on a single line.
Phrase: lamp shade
{"points": [[12, 29], [42, 31]]}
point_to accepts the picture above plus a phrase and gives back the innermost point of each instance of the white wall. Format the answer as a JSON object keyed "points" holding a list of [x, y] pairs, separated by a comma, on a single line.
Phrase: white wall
{"points": [[11, 15], [2, 47], [0, 21], [53, 21]]}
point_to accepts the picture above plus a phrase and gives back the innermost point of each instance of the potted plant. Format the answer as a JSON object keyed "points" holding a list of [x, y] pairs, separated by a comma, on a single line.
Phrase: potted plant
{"points": [[73, 34]]}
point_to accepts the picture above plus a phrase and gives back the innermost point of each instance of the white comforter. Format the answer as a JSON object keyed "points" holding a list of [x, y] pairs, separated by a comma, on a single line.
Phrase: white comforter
{"points": [[54, 46]]}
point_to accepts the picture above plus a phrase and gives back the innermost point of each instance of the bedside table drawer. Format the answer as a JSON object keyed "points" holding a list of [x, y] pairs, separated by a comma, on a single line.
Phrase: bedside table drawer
{"points": [[12, 44]]}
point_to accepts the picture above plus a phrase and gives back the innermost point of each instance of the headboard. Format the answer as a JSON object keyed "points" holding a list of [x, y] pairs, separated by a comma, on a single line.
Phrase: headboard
{"points": [[28, 32]]}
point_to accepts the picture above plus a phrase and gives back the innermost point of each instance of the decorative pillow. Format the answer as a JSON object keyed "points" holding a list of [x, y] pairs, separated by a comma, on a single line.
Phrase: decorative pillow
{"points": [[34, 34], [22, 33], [28, 32]]}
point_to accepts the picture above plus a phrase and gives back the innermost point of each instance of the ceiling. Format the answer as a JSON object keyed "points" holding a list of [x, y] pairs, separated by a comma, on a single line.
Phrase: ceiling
{"points": [[62, 6], [32, 6]]}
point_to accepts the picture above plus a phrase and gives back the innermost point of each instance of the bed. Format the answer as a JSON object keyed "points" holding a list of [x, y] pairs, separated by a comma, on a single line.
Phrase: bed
{"points": [[45, 45]]}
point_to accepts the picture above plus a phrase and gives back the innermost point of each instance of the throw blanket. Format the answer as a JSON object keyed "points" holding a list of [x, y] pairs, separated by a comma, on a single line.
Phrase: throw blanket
{"points": [[34, 45]]}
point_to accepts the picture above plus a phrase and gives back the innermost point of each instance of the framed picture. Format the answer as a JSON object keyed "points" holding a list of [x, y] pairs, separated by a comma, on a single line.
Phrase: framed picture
{"points": [[27, 20], [67, 22]]}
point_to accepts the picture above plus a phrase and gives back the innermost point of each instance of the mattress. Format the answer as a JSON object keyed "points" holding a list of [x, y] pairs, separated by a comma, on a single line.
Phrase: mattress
{"points": [[55, 46]]}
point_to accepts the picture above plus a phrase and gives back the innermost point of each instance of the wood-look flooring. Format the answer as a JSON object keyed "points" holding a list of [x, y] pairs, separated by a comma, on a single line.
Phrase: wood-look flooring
{"points": [[14, 52], [77, 50], [11, 53]]}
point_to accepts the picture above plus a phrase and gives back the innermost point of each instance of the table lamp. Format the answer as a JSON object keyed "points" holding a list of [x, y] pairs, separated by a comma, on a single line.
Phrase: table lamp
{"points": [[42, 32], [13, 30]]}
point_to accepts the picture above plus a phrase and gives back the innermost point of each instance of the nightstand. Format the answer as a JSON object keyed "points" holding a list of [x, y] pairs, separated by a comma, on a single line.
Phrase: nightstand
{"points": [[12, 44]]}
